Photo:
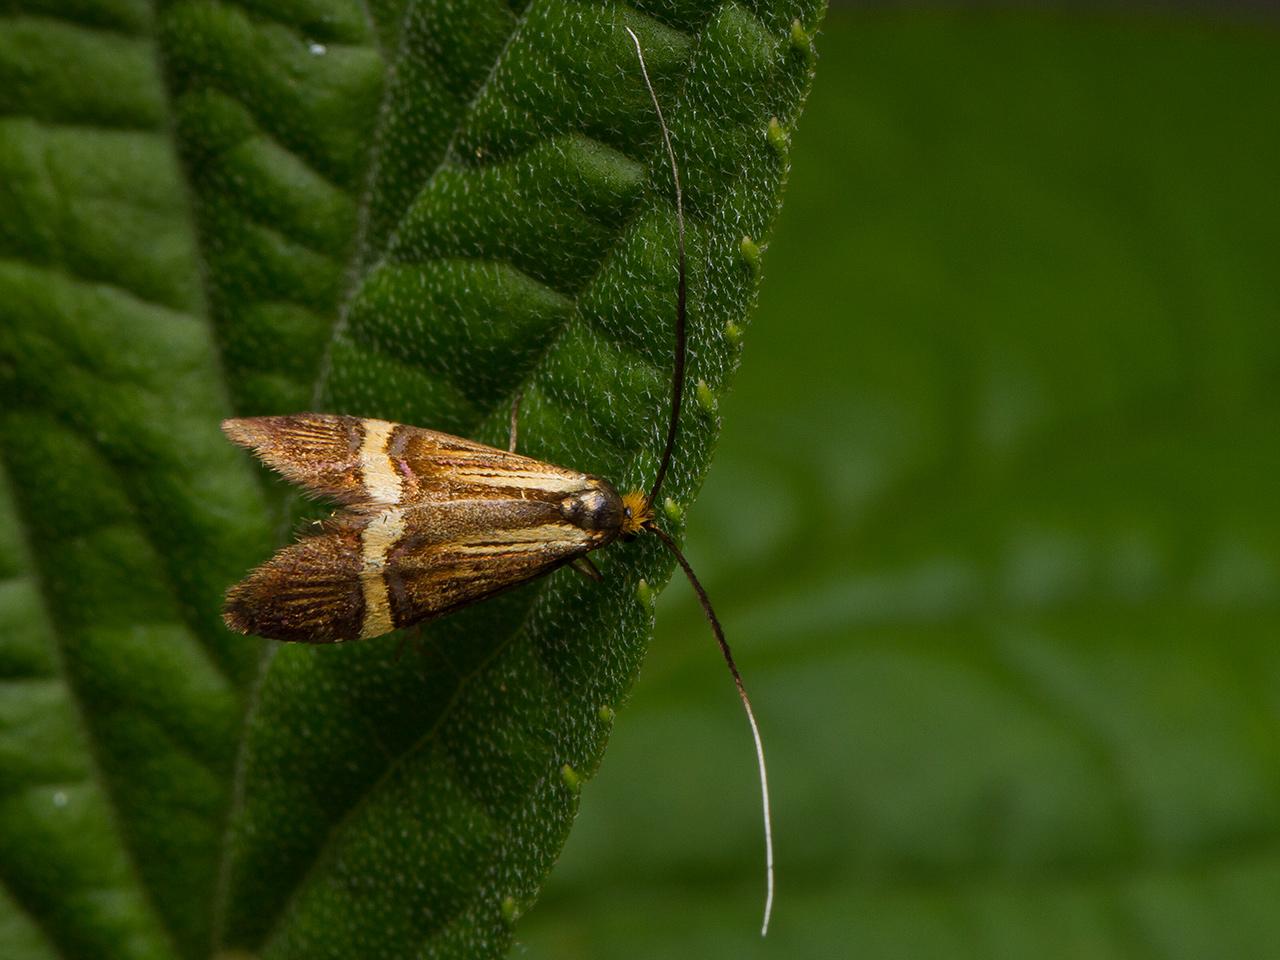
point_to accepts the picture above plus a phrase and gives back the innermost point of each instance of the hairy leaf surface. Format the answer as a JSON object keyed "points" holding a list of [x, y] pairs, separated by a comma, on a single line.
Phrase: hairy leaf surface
{"points": [[406, 210]]}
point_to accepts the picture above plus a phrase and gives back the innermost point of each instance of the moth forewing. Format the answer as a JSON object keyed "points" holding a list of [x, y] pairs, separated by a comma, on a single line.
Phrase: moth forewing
{"points": [[367, 463], [319, 452], [433, 523]]}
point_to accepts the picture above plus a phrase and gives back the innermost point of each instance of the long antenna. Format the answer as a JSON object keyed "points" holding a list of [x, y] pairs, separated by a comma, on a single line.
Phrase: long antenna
{"points": [[677, 393], [677, 377], [746, 705]]}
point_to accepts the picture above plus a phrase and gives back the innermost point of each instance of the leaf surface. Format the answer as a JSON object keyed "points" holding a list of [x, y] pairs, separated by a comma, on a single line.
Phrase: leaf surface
{"points": [[413, 211]]}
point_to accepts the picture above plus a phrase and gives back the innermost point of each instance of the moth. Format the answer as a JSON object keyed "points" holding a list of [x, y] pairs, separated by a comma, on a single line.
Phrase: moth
{"points": [[431, 523]]}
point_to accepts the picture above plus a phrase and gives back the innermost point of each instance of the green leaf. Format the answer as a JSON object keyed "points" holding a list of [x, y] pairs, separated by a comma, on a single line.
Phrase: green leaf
{"points": [[405, 210], [993, 527]]}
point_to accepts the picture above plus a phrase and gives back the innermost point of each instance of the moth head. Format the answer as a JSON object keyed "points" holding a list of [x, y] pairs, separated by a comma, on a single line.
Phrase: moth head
{"points": [[596, 508], [636, 512]]}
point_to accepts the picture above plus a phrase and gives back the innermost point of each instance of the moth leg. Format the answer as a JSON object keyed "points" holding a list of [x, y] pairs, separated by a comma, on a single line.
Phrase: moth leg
{"points": [[588, 569], [515, 419]]}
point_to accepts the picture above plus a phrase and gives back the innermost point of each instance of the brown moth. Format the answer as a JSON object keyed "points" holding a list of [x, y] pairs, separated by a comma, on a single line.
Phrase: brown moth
{"points": [[432, 523]]}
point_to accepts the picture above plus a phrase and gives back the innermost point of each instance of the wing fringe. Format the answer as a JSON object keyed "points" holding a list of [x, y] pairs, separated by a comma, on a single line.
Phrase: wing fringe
{"points": [[309, 592], [319, 452]]}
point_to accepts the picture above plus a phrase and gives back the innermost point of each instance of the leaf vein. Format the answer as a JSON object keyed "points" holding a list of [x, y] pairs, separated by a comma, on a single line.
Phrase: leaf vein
{"points": [[428, 736], [81, 716]]}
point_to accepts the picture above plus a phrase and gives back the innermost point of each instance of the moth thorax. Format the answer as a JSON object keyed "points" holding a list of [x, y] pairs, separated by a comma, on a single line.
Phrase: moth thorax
{"points": [[597, 508]]}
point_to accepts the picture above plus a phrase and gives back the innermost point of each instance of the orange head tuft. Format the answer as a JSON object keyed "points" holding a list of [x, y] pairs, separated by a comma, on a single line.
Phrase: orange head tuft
{"points": [[636, 512]]}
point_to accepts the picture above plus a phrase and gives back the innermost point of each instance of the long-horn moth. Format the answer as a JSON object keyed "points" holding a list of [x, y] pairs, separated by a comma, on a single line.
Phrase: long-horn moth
{"points": [[432, 522]]}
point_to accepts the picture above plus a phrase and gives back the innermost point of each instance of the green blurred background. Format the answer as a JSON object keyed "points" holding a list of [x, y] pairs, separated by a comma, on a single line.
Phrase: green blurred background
{"points": [[993, 527]]}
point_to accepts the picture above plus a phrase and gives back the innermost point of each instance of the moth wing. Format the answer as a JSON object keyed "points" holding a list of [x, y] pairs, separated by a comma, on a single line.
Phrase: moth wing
{"points": [[322, 453], [424, 580], [369, 465], [436, 466], [309, 591], [368, 574]]}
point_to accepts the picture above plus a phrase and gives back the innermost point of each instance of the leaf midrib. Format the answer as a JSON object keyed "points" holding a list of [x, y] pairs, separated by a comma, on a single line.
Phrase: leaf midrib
{"points": [[277, 924], [63, 676], [358, 269]]}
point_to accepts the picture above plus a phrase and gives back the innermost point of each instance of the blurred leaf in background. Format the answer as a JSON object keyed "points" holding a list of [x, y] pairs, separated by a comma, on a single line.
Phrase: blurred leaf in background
{"points": [[994, 527]]}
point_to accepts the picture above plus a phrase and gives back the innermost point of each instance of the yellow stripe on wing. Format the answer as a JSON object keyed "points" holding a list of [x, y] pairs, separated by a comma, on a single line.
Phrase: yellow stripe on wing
{"points": [[376, 540], [382, 481]]}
